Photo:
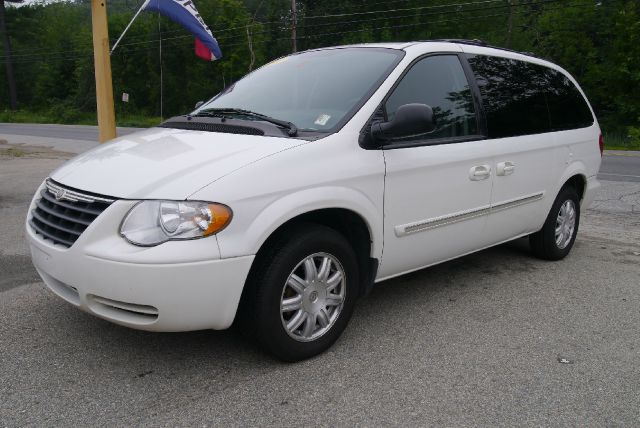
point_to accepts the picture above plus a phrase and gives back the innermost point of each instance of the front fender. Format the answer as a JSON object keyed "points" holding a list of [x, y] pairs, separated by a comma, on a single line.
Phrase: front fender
{"points": [[246, 237]]}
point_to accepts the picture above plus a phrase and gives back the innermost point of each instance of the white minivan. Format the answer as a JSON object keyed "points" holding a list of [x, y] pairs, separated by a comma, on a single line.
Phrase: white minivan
{"points": [[284, 198]]}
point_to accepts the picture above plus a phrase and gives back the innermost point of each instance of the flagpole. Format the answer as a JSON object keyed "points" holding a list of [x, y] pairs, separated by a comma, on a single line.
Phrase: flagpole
{"points": [[127, 27], [160, 61]]}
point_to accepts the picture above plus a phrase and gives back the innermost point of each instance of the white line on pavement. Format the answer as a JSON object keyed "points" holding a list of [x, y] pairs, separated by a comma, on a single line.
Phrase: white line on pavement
{"points": [[619, 175]]}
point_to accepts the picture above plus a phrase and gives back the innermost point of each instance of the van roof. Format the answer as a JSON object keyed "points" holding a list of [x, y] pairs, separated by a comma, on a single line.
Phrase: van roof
{"points": [[473, 42], [391, 45]]}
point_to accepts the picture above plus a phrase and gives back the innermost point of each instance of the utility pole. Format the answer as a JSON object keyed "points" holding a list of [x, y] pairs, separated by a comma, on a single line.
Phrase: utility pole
{"points": [[13, 98], [294, 24], [510, 23], [102, 63]]}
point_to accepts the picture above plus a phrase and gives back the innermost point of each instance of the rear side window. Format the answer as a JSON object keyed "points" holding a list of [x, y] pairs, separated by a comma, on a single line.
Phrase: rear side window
{"points": [[567, 107], [440, 82], [513, 95], [522, 98]]}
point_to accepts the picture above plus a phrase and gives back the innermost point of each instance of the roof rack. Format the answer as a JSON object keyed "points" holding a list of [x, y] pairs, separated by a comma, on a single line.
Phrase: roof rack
{"points": [[478, 42]]}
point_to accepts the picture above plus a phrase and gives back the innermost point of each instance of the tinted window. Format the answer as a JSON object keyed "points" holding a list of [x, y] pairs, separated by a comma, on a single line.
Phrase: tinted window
{"points": [[567, 107], [513, 95], [438, 81]]}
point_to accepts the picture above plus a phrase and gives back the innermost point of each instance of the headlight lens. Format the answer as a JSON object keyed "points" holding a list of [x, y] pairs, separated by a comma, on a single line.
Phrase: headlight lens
{"points": [[154, 222]]}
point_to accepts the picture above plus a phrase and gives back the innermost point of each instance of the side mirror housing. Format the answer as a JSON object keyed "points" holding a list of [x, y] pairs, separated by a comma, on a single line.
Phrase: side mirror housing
{"points": [[409, 120], [199, 103]]}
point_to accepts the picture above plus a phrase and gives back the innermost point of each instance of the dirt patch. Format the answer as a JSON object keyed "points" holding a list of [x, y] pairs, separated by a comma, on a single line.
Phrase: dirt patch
{"points": [[12, 151]]}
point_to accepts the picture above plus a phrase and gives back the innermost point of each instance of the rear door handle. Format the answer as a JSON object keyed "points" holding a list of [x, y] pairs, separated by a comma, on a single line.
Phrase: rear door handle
{"points": [[480, 172], [505, 168]]}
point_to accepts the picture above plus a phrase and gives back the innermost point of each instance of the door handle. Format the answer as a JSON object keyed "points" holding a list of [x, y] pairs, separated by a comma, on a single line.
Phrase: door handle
{"points": [[480, 172], [505, 168]]}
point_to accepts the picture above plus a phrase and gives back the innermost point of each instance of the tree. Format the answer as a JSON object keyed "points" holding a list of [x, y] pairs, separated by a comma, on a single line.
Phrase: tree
{"points": [[13, 97], [51, 57]]}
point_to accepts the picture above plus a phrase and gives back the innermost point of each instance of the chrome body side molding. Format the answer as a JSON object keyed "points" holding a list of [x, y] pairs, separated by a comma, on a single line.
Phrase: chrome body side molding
{"points": [[512, 203], [421, 226]]}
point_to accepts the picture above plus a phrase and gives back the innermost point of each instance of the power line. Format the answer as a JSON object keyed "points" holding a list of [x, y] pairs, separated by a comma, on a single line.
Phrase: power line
{"points": [[218, 31], [68, 54], [442, 6], [408, 25], [388, 27], [501, 6], [88, 46], [315, 17], [31, 52]]}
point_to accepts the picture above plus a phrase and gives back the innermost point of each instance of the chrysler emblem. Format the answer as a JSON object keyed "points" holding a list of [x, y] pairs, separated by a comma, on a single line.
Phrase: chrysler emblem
{"points": [[59, 194]]}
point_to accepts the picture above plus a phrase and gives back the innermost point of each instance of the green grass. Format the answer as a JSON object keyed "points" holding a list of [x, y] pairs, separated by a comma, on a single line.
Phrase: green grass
{"points": [[136, 120], [12, 152], [22, 116], [74, 117], [620, 141]]}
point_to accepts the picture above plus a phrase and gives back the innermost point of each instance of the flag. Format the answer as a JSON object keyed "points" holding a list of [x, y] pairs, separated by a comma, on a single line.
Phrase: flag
{"points": [[184, 12]]}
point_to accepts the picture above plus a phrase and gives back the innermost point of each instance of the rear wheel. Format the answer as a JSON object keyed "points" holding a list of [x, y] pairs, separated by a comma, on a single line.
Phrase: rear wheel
{"points": [[555, 240], [302, 292]]}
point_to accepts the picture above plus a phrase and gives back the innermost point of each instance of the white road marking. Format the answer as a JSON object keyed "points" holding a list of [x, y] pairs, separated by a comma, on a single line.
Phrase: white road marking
{"points": [[631, 154], [619, 175]]}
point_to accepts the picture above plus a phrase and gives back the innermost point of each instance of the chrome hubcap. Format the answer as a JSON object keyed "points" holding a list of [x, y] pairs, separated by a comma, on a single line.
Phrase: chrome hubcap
{"points": [[313, 297], [565, 224]]}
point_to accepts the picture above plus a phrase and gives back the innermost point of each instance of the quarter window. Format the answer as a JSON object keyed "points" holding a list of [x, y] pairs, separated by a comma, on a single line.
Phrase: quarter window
{"points": [[567, 107], [439, 82]]}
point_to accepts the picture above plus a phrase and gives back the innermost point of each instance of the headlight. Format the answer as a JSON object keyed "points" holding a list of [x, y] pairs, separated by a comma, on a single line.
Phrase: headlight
{"points": [[154, 222]]}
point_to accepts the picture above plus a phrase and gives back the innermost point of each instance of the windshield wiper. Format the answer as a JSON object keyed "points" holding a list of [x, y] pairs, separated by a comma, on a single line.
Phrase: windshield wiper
{"points": [[224, 112]]}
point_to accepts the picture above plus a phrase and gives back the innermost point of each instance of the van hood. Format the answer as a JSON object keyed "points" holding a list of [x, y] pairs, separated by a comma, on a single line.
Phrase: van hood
{"points": [[161, 163]]}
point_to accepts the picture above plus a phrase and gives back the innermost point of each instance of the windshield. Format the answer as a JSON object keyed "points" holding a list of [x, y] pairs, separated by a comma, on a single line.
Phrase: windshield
{"points": [[314, 90]]}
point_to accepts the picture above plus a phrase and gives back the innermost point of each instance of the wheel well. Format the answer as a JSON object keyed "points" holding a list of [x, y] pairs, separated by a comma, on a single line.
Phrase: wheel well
{"points": [[577, 182], [346, 222]]}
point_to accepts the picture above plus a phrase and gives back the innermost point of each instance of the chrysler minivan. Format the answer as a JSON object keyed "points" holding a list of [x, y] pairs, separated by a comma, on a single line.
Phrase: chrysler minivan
{"points": [[283, 199]]}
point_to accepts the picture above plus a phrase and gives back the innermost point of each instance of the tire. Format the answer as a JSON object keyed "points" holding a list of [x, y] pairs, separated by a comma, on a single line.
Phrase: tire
{"points": [[547, 243], [321, 304]]}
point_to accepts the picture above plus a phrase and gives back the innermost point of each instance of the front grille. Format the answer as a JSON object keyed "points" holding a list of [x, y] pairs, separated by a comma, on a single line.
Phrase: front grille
{"points": [[62, 214]]}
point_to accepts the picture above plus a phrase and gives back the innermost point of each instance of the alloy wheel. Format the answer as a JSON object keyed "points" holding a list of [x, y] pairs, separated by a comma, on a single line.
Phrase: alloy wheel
{"points": [[565, 224], [313, 297]]}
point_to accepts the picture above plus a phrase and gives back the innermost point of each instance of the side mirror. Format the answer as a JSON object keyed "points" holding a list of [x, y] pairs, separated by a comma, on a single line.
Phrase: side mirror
{"points": [[199, 103], [410, 119]]}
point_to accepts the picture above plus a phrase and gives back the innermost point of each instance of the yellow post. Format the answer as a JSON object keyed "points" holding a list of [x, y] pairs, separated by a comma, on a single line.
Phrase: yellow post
{"points": [[102, 62]]}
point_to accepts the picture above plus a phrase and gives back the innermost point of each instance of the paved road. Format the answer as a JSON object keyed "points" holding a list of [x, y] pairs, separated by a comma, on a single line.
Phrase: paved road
{"points": [[616, 166], [66, 132], [621, 166], [497, 338]]}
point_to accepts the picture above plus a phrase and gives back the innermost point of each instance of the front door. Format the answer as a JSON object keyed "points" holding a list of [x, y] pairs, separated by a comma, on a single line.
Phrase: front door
{"points": [[437, 185]]}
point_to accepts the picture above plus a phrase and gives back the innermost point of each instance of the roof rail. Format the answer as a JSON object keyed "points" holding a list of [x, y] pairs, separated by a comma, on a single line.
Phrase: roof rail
{"points": [[478, 42]]}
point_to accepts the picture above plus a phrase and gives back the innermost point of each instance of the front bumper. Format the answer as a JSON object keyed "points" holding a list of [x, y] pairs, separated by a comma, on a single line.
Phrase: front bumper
{"points": [[176, 286]]}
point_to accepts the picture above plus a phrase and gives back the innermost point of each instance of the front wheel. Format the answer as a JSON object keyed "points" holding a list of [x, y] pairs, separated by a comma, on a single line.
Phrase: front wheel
{"points": [[302, 292], [555, 239]]}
